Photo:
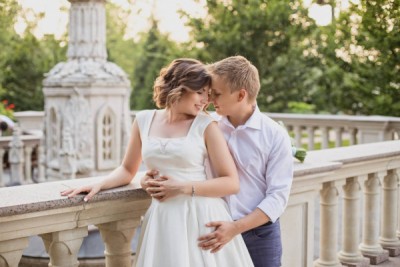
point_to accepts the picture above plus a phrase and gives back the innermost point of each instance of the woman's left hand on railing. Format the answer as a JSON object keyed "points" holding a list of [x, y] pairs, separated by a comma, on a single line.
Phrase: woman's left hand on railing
{"points": [[90, 189]]}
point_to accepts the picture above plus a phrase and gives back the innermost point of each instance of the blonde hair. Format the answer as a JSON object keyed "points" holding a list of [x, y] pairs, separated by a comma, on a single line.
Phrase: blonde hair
{"points": [[238, 73], [181, 75]]}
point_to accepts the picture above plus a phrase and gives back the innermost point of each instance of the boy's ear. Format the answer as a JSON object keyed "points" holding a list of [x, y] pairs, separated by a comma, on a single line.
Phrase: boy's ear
{"points": [[242, 94]]}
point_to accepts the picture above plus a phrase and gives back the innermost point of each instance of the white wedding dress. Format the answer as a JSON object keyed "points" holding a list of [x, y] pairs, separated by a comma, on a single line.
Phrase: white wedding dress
{"points": [[171, 228]]}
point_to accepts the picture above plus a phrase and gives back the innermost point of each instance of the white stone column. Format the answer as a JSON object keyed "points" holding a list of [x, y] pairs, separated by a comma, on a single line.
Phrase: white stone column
{"points": [[388, 238], [297, 135], [338, 136], [370, 246], [1, 168], [117, 238], [329, 227], [11, 251], [353, 136], [350, 255], [325, 137], [63, 247], [16, 157], [311, 137], [28, 163], [87, 25]]}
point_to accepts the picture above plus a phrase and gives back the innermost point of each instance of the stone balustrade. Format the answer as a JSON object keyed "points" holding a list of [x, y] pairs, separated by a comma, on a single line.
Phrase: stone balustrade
{"points": [[309, 129], [347, 183], [62, 223], [344, 183], [19, 149]]}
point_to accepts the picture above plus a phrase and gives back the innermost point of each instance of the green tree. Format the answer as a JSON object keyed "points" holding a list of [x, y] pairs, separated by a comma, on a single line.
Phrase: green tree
{"points": [[357, 60], [8, 16], [156, 50]]}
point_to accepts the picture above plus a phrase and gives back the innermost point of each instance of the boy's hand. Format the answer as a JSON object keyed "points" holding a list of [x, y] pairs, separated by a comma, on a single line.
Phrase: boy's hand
{"points": [[223, 233], [149, 176]]}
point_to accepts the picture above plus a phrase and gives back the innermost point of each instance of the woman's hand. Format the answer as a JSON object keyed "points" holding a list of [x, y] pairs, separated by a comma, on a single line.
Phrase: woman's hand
{"points": [[166, 187], [90, 189]]}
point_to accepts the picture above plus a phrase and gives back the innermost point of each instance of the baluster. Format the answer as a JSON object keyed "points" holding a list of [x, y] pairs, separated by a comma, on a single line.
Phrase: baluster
{"points": [[28, 163], [353, 136], [311, 137], [297, 135], [63, 246], [388, 238], [370, 246], [16, 157], [325, 137], [338, 137], [350, 255], [117, 238], [11, 251], [2, 183], [329, 226], [41, 159], [398, 217]]}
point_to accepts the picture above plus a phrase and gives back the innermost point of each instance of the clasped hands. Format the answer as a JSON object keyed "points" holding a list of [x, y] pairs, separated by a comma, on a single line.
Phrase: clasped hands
{"points": [[162, 187]]}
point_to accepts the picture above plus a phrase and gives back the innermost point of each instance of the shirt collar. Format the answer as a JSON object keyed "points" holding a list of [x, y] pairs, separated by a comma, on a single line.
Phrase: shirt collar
{"points": [[253, 122]]}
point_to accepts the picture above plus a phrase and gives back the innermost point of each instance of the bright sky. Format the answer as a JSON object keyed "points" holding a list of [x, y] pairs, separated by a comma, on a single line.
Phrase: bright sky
{"points": [[55, 21]]}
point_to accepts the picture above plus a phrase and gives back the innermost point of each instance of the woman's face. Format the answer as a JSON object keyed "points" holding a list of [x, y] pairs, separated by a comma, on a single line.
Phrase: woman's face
{"points": [[194, 102]]}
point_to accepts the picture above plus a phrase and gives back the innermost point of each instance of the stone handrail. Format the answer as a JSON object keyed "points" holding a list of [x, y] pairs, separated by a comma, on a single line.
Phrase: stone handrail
{"points": [[358, 174]]}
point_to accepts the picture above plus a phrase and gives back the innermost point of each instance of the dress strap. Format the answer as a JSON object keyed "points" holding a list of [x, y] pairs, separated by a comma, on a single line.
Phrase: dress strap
{"points": [[201, 122], [144, 119]]}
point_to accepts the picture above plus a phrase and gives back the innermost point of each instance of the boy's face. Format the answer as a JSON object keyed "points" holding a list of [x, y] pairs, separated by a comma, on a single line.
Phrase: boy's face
{"points": [[221, 97]]}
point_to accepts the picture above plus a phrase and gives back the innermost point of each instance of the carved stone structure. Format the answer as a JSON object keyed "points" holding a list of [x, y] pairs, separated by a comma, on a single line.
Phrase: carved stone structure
{"points": [[86, 101]]}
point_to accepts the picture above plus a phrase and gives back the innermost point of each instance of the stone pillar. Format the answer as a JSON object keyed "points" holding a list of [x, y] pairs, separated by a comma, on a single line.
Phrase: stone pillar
{"points": [[311, 137], [370, 246], [350, 255], [85, 96], [325, 137], [117, 238], [338, 136], [1, 167], [11, 251], [297, 135], [329, 227], [16, 157], [388, 238], [63, 247], [28, 163]]}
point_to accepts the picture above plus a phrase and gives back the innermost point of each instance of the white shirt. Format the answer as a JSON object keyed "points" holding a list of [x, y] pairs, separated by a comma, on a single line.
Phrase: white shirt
{"points": [[262, 152]]}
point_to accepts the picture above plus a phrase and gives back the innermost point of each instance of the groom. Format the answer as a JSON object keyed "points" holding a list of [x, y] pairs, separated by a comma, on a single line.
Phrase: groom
{"points": [[262, 152]]}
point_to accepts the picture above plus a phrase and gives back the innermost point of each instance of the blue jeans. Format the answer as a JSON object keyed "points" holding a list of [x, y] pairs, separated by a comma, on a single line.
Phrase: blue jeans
{"points": [[265, 245]]}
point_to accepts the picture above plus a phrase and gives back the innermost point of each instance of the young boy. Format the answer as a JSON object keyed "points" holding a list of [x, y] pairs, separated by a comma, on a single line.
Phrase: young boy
{"points": [[262, 152]]}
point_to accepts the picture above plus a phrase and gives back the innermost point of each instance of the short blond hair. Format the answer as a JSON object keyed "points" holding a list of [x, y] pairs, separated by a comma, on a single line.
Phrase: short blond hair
{"points": [[180, 76], [238, 73]]}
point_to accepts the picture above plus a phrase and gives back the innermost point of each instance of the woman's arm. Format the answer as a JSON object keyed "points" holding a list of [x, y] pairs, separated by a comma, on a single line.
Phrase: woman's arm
{"points": [[122, 175], [226, 182]]}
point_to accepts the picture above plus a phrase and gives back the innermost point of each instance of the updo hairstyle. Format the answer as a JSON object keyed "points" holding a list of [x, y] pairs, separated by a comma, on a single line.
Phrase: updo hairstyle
{"points": [[181, 75]]}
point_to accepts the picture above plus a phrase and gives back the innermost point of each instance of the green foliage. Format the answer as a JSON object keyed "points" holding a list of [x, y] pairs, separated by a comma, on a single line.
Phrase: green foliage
{"points": [[270, 34], [156, 51], [7, 109], [24, 60]]}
